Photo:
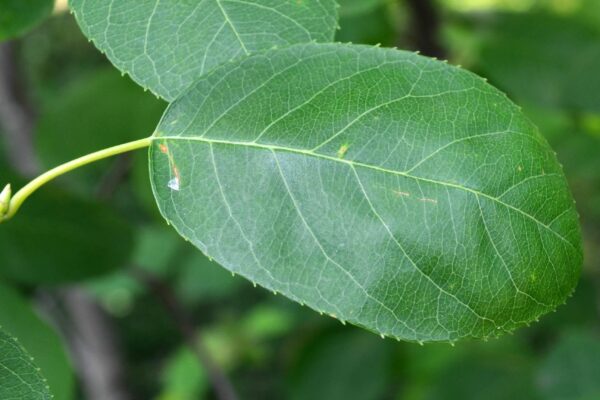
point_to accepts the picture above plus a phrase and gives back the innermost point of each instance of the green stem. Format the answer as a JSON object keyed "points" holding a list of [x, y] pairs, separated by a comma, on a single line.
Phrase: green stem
{"points": [[10, 205]]}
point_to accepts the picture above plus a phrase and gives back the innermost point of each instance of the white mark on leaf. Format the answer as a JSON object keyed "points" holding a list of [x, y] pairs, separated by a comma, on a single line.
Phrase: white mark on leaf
{"points": [[174, 184]]}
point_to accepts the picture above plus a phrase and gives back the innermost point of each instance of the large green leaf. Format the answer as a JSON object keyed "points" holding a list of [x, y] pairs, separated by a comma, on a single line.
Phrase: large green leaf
{"points": [[385, 188], [18, 319], [166, 45], [20, 378], [16, 16]]}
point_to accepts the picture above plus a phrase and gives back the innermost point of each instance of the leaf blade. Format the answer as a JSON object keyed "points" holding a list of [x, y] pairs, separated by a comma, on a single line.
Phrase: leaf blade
{"points": [[166, 45], [321, 171]]}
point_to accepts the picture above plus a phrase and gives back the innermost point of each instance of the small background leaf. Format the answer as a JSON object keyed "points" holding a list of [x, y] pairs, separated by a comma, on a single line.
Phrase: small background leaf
{"points": [[544, 59], [571, 371], [19, 376], [99, 110], [19, 320], [59, 238], [17, 16], [166, 45], [350, 365]]}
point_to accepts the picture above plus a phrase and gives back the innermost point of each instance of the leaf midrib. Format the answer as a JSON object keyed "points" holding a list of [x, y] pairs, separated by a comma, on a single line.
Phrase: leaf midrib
{"points": [[367, 166]]}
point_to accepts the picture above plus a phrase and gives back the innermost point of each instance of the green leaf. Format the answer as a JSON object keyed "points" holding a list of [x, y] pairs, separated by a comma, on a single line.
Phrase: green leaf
{"points": [[59, 238], [545, 59], [166, 45], [18, 319], [499, 369], [183, 377], [17, 16], [571, 370], [387, 189], [475, 376], [347, 366], [20, 379]]}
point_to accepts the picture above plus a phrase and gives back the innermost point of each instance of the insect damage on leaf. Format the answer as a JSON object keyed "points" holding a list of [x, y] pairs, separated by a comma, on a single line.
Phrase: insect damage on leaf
{"points": [[174, 183]]}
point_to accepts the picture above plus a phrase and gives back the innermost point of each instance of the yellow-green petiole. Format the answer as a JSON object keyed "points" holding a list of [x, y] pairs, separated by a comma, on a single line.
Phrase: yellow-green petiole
{"points": [[9, 205]]}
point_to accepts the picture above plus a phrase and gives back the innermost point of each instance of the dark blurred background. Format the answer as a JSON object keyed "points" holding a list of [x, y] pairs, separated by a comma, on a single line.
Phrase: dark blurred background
{"points": [[114, 305]]}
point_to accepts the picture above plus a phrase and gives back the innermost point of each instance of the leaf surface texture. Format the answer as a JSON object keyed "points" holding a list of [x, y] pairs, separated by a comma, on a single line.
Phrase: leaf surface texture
{"points": [[165, 45], [384, 188], [19, 377]]}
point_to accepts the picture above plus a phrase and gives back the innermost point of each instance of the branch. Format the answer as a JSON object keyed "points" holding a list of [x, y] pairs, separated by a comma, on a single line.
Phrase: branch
{"points": [[16, 114], [221, 384], [425, 28], [94, 347]]}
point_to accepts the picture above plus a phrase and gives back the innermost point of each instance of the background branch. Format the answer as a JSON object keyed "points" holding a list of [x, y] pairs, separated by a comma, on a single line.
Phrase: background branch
{"points": [[425, 28], [222, 386], [16, 114]]}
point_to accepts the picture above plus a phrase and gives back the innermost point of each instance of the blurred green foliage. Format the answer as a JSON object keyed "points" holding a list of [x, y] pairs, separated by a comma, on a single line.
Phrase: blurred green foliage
{"points": [[16, 16], [544, 54]]}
